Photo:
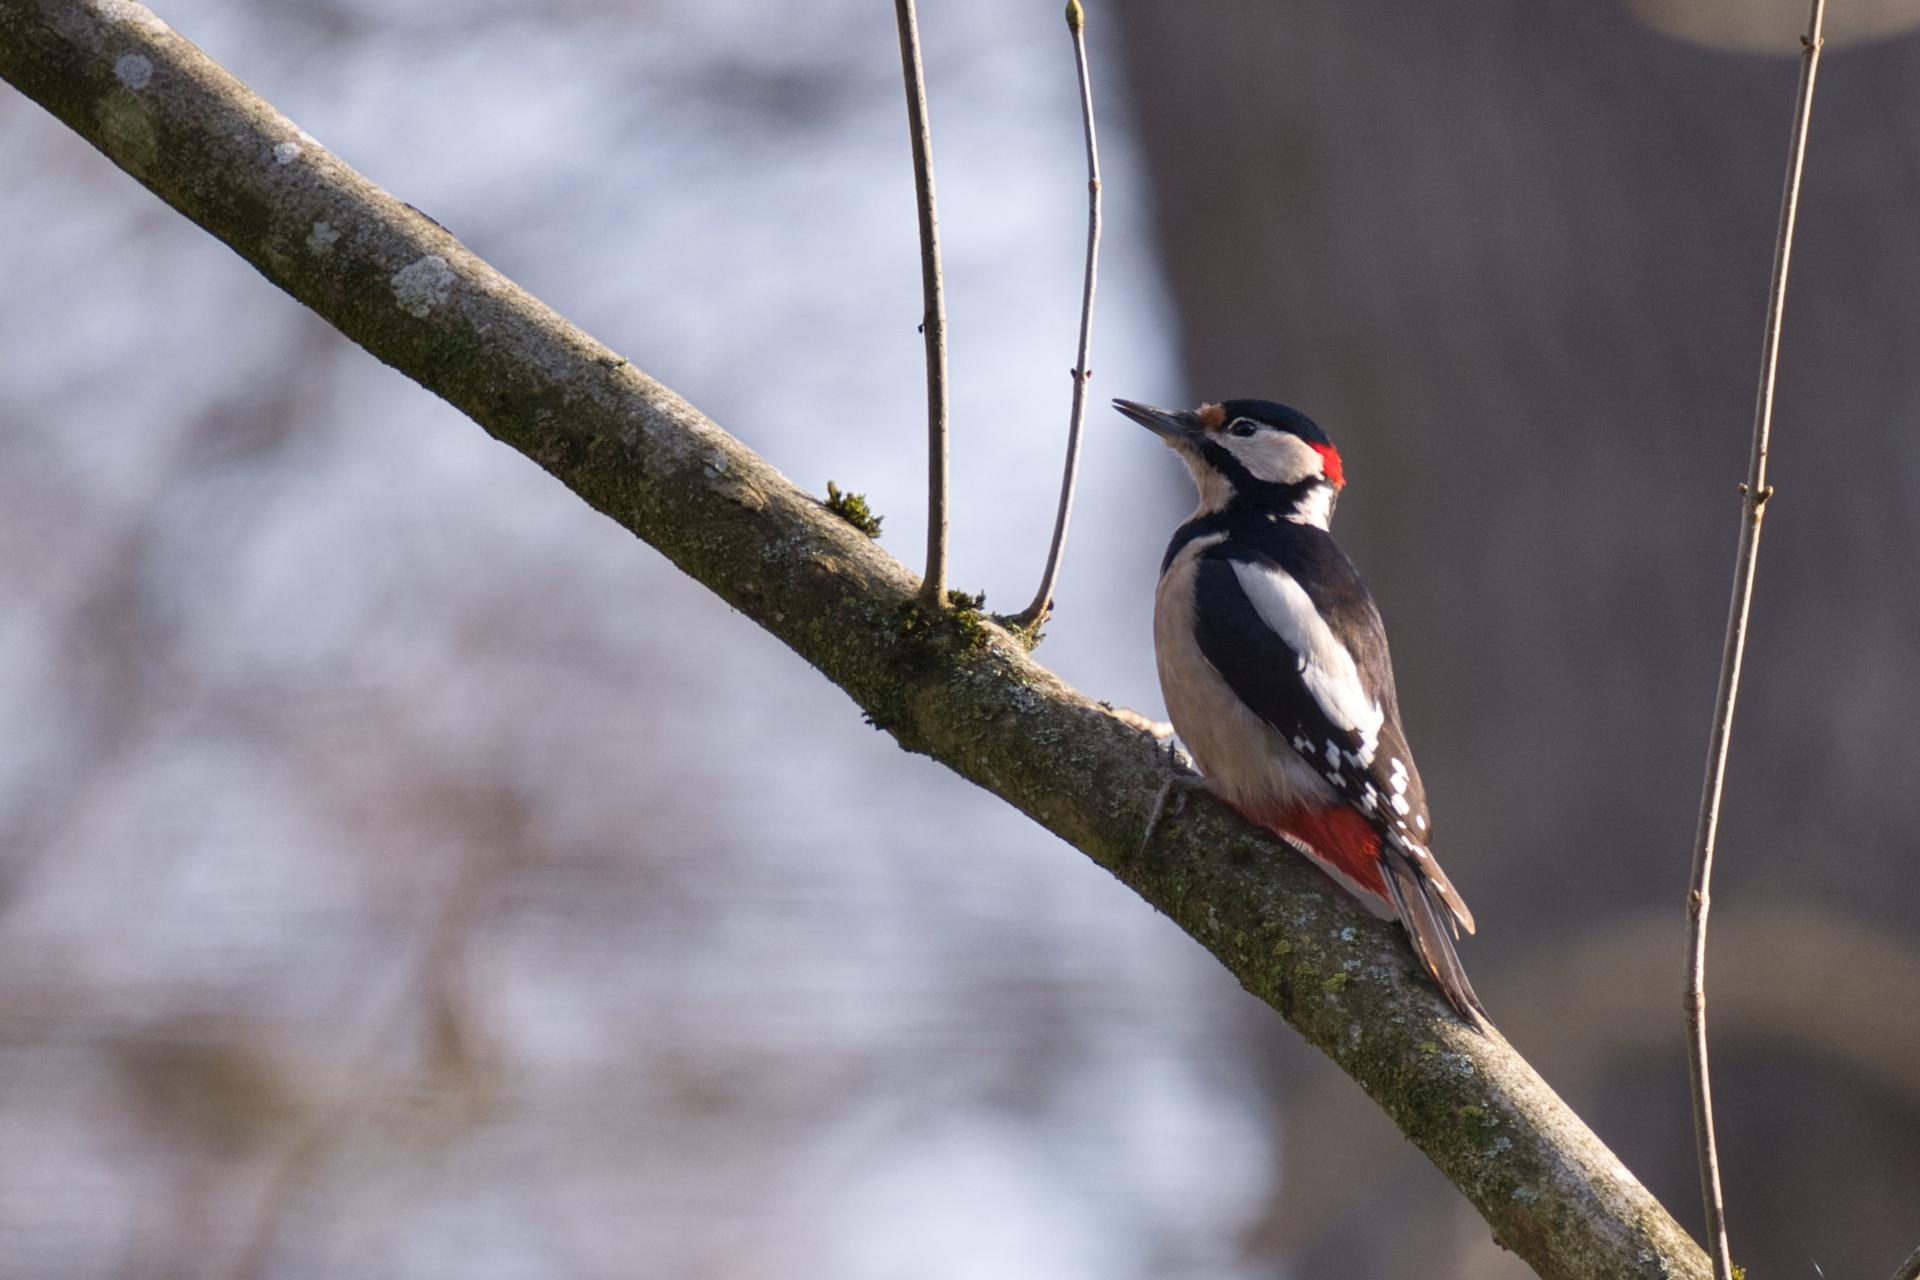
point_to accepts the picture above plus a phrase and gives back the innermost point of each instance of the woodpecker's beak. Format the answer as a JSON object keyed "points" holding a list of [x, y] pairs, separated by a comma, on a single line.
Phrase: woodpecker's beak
{"points": [[1175, 428]]}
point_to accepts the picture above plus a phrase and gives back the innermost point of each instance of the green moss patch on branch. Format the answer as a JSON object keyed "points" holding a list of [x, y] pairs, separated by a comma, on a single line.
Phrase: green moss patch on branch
{"points": [[853, 508]]}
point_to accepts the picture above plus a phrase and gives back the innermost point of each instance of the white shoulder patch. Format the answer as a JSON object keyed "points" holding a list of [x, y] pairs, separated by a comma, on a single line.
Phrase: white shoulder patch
{"points": [[1327, 667], [1316, 507]]}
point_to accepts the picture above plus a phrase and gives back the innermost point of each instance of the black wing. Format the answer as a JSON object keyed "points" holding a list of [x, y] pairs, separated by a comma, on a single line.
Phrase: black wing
{"points": [[1306, 651], [1297, 637]]}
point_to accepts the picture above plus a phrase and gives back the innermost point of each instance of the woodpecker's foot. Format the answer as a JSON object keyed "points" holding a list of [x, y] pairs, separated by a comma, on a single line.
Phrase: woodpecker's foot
{"points": [[1182, 780], [1176, 789], [1158, 730]]}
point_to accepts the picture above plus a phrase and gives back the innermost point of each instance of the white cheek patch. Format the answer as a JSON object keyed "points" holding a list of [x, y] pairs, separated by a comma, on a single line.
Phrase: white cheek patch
{"points": [[1279, 457], [1327, 668]]}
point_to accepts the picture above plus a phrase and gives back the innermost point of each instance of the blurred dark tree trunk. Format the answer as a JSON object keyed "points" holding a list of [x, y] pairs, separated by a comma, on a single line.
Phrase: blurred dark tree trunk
{"points": [[1514, 257]]}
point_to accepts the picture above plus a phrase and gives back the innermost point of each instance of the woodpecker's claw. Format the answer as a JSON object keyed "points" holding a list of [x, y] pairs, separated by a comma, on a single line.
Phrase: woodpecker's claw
{"points": [[1177, 787], [1181, 780], [1158, 730]]}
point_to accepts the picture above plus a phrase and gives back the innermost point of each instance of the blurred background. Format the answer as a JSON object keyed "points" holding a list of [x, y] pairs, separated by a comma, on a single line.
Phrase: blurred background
{"points": [[404, 873]]}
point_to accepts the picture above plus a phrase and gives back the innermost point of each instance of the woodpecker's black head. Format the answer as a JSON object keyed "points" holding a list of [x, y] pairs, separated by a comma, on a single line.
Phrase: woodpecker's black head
{"points": [[1251, 451]]}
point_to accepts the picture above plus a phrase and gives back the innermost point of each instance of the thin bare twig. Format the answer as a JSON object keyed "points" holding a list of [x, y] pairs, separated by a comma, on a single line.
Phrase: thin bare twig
{"points": [[1036, 613], [1754, 495], [1910, 1269], [933, 588]]}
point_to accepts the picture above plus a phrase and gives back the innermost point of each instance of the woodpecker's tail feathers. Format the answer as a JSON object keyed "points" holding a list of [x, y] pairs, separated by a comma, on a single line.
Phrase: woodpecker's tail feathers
{"points": [[1436, 880], [1419, 896]]}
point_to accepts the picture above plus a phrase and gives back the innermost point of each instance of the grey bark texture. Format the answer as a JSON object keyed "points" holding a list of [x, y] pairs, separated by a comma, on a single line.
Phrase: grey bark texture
{"points": [[952, 685]]}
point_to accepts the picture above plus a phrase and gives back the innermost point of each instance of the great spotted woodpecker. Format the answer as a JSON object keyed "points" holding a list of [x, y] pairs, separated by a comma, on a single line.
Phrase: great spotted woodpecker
{"points": [[1274, 665]]}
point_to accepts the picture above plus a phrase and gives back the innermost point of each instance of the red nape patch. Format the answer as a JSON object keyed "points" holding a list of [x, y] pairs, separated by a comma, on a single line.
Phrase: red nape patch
{"points": [[1341, 837], [1330, 463]]}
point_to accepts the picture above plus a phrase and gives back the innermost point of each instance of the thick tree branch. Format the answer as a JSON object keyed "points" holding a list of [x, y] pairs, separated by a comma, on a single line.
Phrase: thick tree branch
{"points": [[951, 684]]}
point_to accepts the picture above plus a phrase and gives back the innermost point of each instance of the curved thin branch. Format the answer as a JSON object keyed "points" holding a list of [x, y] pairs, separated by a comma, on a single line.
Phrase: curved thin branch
{"points": [[1036, 613], [951, 685], [1755, 493], [933, 322]]}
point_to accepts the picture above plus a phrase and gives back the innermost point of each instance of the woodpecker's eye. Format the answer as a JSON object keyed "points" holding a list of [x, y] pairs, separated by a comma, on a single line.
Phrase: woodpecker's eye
{"points": [[1243, 427]]}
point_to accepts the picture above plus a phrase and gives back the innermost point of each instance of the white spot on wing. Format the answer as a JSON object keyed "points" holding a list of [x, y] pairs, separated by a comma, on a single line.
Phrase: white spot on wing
{"points": [[1327, 667]]}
